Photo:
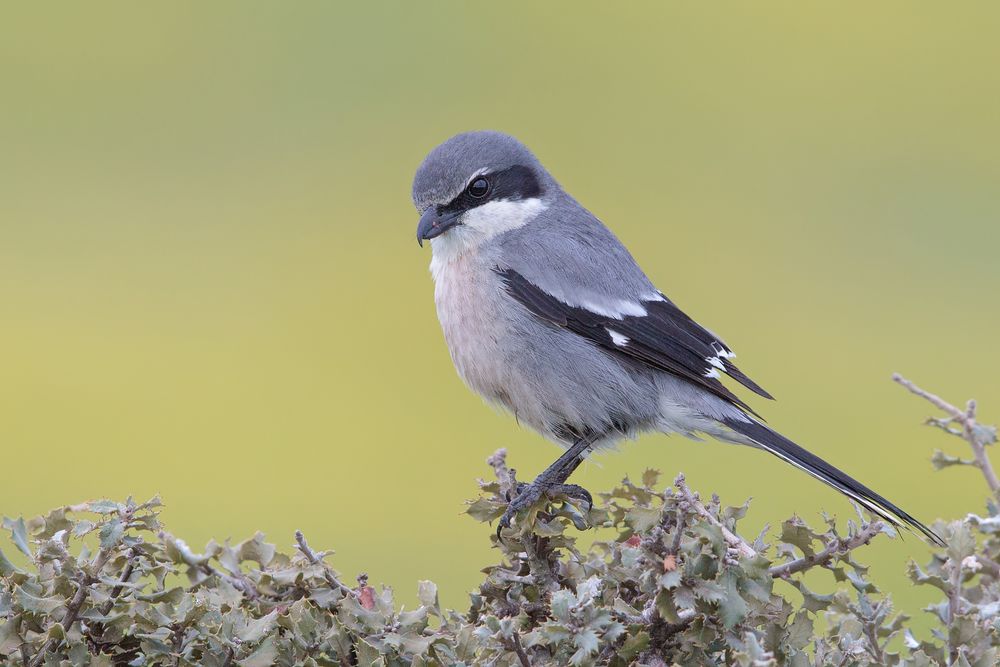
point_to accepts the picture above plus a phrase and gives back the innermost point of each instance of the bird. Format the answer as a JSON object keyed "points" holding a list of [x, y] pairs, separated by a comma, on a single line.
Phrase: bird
{"points": [[546, 314]]}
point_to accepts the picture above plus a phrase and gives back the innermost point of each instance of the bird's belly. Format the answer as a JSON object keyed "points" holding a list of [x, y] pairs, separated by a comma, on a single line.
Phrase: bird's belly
{"points": [[550, 379], [468, 309]]}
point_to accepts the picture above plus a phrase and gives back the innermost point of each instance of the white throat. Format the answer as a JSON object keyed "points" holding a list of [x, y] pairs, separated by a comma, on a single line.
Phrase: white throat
{"points": [[479, 225]]}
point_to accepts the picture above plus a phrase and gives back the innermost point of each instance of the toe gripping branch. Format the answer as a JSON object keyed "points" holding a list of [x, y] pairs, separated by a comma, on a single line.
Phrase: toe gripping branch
{"points": [[550, 484]]}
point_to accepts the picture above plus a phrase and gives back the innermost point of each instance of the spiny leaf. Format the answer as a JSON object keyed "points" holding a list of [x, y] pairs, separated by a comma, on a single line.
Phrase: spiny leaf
{"points": [[641, 519], [485, 510], [102, 506], [427, 593], [634, 645], [18, 534], [6, 567], [941, 460], [36, 604], [111, 533], [263, 656], [256, 629], [10, 635], [732, 607]]}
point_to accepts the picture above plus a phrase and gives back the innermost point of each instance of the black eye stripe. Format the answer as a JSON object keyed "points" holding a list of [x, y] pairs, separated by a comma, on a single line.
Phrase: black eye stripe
{"points": [[516, 182]]}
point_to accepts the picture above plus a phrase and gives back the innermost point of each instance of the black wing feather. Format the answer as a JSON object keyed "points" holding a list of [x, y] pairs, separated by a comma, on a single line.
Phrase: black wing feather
{"points": [[785, 449], [665, 338]]}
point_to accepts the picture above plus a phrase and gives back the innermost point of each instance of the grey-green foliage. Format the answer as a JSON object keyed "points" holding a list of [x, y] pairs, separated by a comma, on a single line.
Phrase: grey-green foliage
{"points": [[669, 581]]}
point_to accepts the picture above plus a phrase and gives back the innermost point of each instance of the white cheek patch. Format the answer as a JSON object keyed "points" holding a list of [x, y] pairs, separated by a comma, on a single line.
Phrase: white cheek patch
{"points": [[496, 217], [480, 224]]}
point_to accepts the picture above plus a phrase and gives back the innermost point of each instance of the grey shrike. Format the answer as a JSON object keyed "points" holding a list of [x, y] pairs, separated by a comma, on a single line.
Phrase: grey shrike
{"points": [[548, 315]]}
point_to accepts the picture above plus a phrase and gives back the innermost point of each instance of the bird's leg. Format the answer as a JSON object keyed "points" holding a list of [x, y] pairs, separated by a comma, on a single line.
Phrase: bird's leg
{"points": [[551, 482]]}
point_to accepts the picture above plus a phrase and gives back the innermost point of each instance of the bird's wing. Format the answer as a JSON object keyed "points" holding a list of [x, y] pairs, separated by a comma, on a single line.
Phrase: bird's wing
{"points": [[650, 330]]}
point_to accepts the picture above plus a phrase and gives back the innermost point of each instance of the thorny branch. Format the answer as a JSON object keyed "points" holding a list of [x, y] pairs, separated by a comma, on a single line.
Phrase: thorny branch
{"points": [[954, 602], [693, 504], [533, 545], [971, 430], [335, 584], [836, 547], [86, 579], [522, 657], [117, 590], [239, 582], [504, 475]]}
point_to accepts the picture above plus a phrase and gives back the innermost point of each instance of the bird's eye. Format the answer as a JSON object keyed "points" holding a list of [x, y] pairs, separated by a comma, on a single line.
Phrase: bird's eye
{"points": [[479, 188]]}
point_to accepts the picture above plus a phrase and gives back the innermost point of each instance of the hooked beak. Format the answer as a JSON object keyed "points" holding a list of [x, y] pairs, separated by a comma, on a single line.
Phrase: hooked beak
{"points": [[434, 224]]}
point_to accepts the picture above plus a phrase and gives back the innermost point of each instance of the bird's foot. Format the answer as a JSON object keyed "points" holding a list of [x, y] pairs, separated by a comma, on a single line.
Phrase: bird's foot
{"points": [[527, 495]]}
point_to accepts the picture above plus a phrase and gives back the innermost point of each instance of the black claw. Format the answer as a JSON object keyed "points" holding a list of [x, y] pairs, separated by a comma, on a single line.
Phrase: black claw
{"points": [[573, 491], [525, 495]]}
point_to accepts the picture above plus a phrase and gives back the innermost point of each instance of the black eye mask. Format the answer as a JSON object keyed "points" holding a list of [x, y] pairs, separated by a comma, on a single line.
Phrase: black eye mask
{"points": [[516, 182]]}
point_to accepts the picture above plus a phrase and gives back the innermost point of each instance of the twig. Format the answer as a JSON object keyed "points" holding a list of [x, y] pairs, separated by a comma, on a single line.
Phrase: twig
{"points": [[538, 564], [515, 641], [954, 599], [675, 544], [178, 635], [237, 581], [836, 547], [504, 475], [871, 630], [991, 566], [650, 615], [684, 619], [694, 504], [504, 575], [967, 419], [117, 590], [334, 583]]}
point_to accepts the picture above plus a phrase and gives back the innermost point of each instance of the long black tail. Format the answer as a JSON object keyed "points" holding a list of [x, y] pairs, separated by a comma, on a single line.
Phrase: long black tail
{"points": [[785, 449]]}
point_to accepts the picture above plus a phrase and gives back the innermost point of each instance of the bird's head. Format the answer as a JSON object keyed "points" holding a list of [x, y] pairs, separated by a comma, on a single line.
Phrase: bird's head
{"points": [[477, 185]]}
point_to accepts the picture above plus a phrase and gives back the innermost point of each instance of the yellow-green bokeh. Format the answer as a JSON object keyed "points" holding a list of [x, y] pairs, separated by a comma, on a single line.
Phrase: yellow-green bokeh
{"points": [[209, 286]]}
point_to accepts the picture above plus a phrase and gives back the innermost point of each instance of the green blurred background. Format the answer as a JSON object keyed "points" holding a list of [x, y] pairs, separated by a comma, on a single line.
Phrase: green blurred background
{"points": [[209, 286]]}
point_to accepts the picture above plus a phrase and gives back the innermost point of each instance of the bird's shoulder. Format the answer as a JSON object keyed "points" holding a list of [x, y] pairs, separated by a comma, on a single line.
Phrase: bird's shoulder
{"points": [[573, 256]]}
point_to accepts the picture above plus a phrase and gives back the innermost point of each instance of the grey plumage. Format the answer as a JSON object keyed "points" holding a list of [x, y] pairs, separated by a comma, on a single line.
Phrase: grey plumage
{"points": [[547, 314]]}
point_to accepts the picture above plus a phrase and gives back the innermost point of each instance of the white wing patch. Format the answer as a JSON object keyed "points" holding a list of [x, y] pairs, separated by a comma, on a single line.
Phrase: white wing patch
{"points": [[721, 351], [613, 308], [617, 338]]}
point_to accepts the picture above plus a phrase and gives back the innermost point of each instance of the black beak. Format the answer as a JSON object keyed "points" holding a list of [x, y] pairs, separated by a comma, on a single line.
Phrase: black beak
{"points": [[434, 224]]}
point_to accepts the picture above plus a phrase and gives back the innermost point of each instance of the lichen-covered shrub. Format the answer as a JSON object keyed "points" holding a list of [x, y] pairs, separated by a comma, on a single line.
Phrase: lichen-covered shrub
{"points": [[670, 581]]}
